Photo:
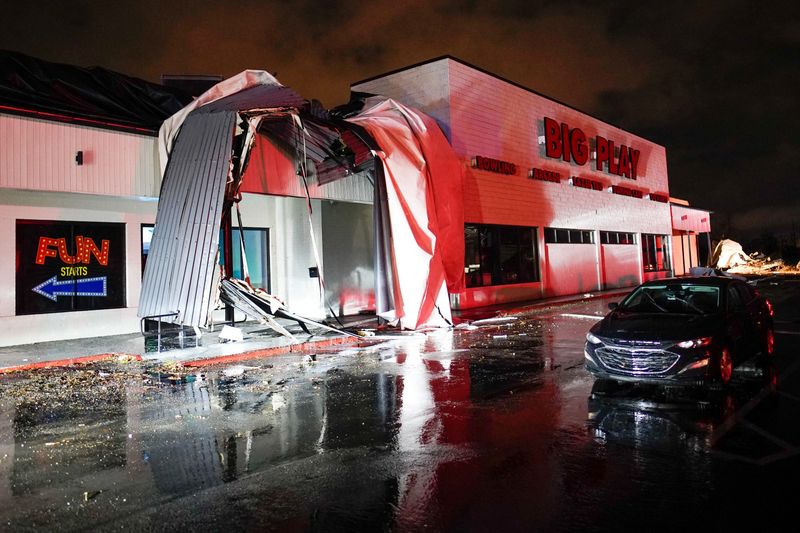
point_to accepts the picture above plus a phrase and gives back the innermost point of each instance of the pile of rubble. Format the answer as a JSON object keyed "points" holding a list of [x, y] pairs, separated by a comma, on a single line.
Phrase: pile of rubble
{"points": [[729, 256]]}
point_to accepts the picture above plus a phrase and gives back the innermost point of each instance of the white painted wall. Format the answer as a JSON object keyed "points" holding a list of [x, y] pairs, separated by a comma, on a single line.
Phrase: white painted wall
{"points": [[40, 155], [291, 253], [38, 205]]}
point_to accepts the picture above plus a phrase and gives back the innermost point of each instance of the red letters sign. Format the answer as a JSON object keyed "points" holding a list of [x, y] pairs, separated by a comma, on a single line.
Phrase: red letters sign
{"points": [[494, 165], [586, 183], [571, 145], [656, 197], [85, 246], [544, 175], [626, 191]]}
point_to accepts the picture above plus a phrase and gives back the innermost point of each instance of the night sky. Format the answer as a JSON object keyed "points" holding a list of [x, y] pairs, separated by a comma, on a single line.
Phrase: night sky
{"points": [[716, 83]]}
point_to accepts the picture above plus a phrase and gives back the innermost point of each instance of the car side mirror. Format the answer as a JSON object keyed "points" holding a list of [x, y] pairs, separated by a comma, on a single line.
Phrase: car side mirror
{"points": [[613, 305]]}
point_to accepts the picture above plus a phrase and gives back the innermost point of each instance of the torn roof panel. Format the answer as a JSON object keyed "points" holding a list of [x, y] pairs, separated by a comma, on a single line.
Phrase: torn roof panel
{"points": [[257, 97]]}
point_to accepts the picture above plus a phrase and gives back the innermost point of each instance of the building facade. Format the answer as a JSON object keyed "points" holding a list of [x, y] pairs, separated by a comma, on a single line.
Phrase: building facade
{"points": [[556, 201]]}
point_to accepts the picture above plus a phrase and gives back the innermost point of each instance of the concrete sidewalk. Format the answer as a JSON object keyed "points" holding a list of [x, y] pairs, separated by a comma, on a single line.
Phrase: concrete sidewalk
{"points": [[259, 341]]}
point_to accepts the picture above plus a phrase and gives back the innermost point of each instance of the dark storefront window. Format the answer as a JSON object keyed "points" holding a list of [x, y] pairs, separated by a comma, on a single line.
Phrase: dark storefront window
{"points": [[69, 266], [617, 237], [655, 252], [568, 236], [499, 255]]}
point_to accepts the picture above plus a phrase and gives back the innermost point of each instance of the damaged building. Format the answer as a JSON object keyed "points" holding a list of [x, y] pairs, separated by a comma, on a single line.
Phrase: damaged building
{"points": [[439, 187]]}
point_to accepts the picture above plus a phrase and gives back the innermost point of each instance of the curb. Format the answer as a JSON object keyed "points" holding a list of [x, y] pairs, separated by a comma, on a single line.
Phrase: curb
{"points": [[268, 352], [541, 304], [66, 362], [288, 348]]}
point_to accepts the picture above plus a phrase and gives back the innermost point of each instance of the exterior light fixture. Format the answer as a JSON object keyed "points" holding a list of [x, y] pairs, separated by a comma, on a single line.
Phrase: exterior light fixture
{"points": [[79, 157]]}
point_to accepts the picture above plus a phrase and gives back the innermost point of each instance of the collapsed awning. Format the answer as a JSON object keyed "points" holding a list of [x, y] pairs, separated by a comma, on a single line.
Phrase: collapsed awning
{"points": [[205, 149]]}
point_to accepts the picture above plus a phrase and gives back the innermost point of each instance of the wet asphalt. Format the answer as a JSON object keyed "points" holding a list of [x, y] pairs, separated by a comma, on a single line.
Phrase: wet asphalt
{"points": [[496, 427]]}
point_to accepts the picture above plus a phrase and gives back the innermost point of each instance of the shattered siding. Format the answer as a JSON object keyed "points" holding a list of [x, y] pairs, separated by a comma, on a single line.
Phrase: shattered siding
{"points": [[181, 265]]}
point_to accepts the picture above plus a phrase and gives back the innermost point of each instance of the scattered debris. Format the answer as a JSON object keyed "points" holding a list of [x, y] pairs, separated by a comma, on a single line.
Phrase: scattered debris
{"points": [[729, 256], [494, 320], [90, 495], [231, 334], [236, 370], [278, 402]]}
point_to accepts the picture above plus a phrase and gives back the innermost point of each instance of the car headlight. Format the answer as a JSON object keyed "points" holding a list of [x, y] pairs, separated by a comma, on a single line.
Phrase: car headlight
{"points": [[695, 343], [592, 339]]}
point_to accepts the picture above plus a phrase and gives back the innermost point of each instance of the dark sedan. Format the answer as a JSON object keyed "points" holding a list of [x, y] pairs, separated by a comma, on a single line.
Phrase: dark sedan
{"points": [[681, 331]]}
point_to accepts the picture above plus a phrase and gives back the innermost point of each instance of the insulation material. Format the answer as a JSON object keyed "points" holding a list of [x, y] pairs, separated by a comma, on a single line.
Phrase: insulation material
{"points": [[730, 256], [423, 184], [729, 253]]}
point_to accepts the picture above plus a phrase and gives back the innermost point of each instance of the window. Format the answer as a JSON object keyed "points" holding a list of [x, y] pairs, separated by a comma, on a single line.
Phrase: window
{"points": [[499, 255], [568, 236], [147, 237], [256, 244], [735, 303], [617, 237], [683, 298], [69, 266], [655, 252]]}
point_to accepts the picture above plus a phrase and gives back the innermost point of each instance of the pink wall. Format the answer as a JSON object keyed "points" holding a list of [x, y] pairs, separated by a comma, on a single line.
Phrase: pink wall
{"points": [[690, 219], [570, 269], [684, 253], [620, 265]]}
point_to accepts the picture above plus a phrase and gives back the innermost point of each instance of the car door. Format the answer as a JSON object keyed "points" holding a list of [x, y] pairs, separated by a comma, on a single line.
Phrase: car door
{"points": [[737, 320], [755, 315]]}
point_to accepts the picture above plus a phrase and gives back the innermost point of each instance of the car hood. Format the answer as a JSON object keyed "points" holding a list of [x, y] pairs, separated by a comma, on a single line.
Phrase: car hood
{"points": [[656, 326]]}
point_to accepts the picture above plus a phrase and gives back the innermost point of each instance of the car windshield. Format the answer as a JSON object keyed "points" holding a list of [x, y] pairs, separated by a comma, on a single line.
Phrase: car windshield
{"points": [[678, 298]]}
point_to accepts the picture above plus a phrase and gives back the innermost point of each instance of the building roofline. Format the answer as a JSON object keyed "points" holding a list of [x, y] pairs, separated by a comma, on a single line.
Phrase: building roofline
{"points": [[498, 77], [66, 118], [693, 208]]}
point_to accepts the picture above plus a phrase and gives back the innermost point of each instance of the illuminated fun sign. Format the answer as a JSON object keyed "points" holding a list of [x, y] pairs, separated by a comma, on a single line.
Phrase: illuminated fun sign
{"points": [[572, 144], [69, 266], [85, 249]]}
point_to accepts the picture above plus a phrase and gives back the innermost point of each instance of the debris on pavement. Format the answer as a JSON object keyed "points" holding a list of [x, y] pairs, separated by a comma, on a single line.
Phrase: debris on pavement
{"points": [[729, 256]]}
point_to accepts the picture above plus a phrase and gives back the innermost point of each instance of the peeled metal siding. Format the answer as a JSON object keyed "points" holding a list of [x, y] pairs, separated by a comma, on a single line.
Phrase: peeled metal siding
{"points": [[180, 267]]}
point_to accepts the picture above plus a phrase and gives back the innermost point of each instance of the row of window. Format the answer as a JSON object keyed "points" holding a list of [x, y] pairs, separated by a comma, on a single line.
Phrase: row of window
{"points": [[502, 255], [91, 257]]}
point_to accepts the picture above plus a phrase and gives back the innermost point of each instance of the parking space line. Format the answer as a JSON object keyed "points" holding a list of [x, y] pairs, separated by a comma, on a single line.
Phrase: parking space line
{"points": [[788, 332], [592, 317], [732, 421], [769, 436]]}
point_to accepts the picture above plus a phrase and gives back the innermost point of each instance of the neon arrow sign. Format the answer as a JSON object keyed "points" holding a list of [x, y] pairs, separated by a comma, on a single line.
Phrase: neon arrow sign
{"points": [[52, 288]]}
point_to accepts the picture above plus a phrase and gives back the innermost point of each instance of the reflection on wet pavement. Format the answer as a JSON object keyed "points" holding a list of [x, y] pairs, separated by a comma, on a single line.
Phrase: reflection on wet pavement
{"points": [[496, 427]]}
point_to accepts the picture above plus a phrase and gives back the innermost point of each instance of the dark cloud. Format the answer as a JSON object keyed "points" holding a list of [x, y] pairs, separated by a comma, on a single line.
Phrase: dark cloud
{"points": [[721, 96], [714, 82]]}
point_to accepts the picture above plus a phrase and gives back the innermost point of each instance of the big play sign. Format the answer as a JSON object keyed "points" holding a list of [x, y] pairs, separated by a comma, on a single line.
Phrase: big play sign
{"points": [[572, 145]]}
